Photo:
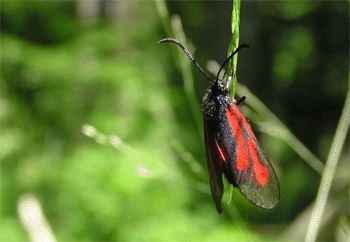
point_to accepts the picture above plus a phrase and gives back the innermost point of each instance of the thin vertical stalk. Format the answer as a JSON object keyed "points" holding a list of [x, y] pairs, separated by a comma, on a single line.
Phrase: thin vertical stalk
{"points": [[328, 174], [235, 21]]}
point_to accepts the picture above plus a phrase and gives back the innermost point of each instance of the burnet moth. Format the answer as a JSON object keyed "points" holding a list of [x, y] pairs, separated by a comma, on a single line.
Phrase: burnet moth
{"points": [[231, 146]]}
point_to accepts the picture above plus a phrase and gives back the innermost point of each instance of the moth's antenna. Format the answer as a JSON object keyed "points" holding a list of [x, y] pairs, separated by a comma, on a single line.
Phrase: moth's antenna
{"points": [[228, 58], [188, 55]]}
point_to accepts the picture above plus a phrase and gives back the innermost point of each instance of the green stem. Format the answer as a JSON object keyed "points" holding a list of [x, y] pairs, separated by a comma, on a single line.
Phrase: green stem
{"points": [[328, 174], [235, 21]]}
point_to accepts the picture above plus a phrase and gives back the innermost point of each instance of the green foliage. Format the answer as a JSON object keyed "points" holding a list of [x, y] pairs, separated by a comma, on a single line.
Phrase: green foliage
{"points": [[98, 125]]}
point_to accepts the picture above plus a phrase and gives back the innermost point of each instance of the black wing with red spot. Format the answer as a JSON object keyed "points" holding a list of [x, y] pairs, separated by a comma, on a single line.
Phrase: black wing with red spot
{"points": [[247, 165]]}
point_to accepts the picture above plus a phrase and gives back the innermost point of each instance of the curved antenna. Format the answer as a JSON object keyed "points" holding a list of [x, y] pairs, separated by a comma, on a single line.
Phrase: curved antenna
{"points": [[187, 53], [228, 58]]}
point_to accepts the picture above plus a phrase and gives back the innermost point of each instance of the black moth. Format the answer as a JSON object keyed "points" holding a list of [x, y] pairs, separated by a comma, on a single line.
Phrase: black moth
{"points": [[231, 146]]}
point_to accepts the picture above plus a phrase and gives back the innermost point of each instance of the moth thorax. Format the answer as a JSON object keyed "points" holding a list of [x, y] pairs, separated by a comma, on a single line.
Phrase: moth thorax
{"points": [[215, 104]]}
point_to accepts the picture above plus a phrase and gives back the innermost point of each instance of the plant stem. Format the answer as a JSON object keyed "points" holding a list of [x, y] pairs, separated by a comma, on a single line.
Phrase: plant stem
{"points": [[235, 21], [328, 174]]}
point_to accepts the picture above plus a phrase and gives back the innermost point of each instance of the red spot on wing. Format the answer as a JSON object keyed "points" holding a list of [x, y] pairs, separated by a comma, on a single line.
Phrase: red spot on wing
{"points": [[220, 152], [260, 171], [243, 120], [242, 150]]}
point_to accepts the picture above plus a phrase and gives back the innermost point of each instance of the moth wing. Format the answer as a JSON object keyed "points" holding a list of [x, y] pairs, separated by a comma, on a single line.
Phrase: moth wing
{"points": [[247, 166], [214, 160], [264, 194]]}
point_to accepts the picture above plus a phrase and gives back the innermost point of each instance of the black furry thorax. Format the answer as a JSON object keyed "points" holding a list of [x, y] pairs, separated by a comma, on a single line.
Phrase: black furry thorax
{"points": [[216, 101]]}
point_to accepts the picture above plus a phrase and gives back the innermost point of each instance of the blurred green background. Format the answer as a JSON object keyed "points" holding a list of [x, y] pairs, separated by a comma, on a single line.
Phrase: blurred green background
{"points": [[97, 129]]}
